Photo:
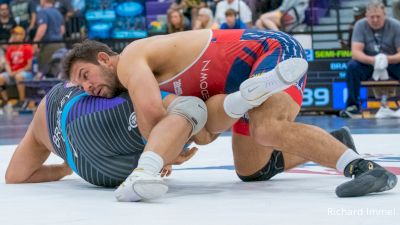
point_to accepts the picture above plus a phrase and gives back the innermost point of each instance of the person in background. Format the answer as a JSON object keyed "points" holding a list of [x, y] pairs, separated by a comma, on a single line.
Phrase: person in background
{"points": [[396, 9], [239, 6], [24, 13], [205, 20], [7, 23], [189, 8], [176, 21], [358, 13], [232, 21], [292, 11], [375, 48], [50, 29], [18, 66]]}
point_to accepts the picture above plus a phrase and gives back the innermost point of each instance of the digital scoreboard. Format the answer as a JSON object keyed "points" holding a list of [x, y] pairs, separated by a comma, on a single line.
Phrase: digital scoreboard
{"points": [[326, 85]]}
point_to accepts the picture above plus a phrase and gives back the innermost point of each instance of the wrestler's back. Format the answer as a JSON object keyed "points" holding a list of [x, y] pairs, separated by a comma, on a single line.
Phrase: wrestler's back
{"points": [[168, 55]]}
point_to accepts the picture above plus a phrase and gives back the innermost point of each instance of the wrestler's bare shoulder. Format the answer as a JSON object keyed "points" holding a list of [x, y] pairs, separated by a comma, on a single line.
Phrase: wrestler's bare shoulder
{"points": [[171, 44]]}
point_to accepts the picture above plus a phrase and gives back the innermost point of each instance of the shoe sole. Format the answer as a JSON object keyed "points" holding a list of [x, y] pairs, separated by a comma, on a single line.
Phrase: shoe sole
{"points": [[148, 189], [377, 180], [288, 72]]}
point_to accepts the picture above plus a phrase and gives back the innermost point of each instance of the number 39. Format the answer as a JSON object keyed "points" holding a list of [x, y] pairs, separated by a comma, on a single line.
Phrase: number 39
{"points": [[317, 97]]}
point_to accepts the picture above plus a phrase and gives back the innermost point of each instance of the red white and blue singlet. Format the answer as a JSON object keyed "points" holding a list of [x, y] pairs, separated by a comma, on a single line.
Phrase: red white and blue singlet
{"points": [[232, 56]]}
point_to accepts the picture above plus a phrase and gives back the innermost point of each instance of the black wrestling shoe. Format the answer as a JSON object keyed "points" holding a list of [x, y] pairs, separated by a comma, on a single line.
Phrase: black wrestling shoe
{"points": [[343, 135], [369, 177]]}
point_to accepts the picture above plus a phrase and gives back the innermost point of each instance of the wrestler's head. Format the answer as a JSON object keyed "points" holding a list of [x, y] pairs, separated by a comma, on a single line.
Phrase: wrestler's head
{"points": [[90, 65]]}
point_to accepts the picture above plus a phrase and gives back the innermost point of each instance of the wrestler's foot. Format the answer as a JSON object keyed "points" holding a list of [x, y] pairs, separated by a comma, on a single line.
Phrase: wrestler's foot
{"points": [[343, 135], [369, 177], [140, 186], [257, 89]]}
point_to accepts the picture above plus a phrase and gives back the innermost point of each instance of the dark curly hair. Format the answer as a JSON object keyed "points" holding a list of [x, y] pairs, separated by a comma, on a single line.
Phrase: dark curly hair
{"points": [[87, 52]]}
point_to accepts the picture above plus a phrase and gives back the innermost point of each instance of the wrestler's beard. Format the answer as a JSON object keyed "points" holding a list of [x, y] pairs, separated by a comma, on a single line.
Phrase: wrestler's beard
{"points": [[111, 82]]}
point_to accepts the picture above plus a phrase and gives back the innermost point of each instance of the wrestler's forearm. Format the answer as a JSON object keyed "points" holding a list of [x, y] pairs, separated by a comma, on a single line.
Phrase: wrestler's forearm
{"points": [[47, 173]]}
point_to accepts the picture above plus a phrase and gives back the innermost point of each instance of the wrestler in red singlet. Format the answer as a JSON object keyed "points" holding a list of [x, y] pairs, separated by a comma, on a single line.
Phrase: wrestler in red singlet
{"points": [[232, 56]]}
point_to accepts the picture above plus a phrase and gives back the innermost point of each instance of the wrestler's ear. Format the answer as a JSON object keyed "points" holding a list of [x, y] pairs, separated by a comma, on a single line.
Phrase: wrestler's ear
{"points": [[103, 58]]}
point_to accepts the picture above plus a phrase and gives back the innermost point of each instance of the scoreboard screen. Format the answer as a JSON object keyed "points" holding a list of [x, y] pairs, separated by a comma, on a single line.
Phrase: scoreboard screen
{"points": [[326, 85]]}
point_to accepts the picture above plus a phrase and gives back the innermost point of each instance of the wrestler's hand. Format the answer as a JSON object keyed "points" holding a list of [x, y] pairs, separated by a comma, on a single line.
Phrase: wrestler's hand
{"points": [[166, 171], [67, 169], [183, 157]]}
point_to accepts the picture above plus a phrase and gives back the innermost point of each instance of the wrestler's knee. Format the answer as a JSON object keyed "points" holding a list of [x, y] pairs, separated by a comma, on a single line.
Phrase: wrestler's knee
{"points": [[193, 109], [275, 165]]}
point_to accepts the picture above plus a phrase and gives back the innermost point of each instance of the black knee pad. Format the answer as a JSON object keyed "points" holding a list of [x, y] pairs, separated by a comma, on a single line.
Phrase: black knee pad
{"points": [[275, 165]]}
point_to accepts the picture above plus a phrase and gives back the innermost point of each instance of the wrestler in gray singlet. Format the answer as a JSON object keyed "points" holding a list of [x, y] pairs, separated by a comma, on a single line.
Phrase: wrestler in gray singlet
{"points": [[98, 137]]}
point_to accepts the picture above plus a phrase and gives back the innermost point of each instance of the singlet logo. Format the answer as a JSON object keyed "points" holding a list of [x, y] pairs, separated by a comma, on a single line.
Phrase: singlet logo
{"points": [[203, 80], [57, 137], [178, 87], [132, 122]]}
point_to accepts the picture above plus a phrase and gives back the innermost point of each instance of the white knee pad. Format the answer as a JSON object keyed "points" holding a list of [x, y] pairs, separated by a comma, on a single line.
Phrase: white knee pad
{"points": [[191, 108]]}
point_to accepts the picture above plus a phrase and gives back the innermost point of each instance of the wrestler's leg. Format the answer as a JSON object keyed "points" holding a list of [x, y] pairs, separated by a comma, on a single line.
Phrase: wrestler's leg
{"points": [[270, 126], [165, 143], [253, 161]]}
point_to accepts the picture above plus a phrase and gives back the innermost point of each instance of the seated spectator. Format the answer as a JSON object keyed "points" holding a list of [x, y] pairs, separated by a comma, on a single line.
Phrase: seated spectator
{"points": [[232, 21], [7, 23], [205, 20], [189, 8], [259, 7], [176, 22], [375, 50], [18, 65], [239, 6], [289, 12]]}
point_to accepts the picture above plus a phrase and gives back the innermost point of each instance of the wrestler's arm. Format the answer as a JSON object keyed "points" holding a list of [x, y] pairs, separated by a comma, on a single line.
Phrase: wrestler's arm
{"points": [[26, 165], [143, 89]]}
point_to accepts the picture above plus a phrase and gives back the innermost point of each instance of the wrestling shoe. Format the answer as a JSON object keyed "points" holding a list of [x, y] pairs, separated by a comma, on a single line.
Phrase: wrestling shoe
{"points": [[344, 135], [257, 89], [369, 177], [140, 186]]}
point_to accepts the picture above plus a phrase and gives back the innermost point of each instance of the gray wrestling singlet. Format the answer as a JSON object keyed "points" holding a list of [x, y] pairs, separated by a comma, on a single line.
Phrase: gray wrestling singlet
{"points": [[98, 137]]}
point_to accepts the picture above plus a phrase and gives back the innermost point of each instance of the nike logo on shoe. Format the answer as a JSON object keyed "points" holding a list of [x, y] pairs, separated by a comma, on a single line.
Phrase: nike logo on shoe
{"points": [[252, 89]]}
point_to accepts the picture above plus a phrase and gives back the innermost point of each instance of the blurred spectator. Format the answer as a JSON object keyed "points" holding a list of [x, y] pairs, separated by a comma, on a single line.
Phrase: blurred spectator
{"points": [[239, 6], [396, 9], [205, 20], [232, 21], [189, 8], [67, 11], [7, 23], [75, 27], [65, 8], [290, 12], [375, 50], [50, 29], [24, 13], [18, 65], [358, 13], [176, 21], [259, 7]]}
